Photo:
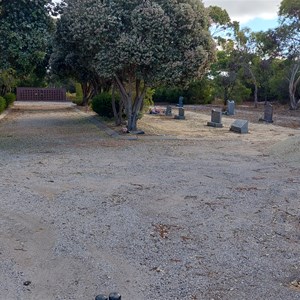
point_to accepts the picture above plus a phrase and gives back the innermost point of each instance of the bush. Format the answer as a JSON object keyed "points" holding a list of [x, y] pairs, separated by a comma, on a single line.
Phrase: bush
{"points": [[148, 101], [102, 104], [2, 104], [199, 92], [167, 94], [79, 94], [10, 98]]}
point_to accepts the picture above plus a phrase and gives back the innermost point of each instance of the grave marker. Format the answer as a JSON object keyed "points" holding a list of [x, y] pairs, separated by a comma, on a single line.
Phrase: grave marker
{"points": [[268, 113], [239, 126], [216, 119], [180, 101], [168, 111], [180, 114], [230, 107]]}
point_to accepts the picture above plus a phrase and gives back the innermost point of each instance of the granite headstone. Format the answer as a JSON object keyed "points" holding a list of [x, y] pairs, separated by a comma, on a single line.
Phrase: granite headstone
{"points": [[180, 114], [268, 113], [216, 119], [180, 101], [168, 111], [239, 126], [230, 107]]}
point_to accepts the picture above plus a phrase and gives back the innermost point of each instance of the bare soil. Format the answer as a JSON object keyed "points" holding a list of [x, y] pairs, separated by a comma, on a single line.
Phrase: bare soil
{"points": [[185, 211]]}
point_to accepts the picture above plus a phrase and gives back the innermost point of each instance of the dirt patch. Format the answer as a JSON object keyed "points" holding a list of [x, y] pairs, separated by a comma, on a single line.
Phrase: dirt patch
{"points": [[183, 212]]}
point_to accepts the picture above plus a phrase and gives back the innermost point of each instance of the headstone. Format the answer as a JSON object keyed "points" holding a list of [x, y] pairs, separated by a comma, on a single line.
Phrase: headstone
{"points": [[216, 119], [268, 113], [240, 126], [180, 114], [168, 111], [180, 101], [230, 107]]}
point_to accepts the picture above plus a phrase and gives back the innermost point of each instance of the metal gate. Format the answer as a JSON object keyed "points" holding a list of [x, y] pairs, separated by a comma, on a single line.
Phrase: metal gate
{"points": [[41, 94]]}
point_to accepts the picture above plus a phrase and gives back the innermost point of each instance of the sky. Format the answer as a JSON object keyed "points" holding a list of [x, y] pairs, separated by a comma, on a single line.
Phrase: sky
{"points": [[256, 14]]}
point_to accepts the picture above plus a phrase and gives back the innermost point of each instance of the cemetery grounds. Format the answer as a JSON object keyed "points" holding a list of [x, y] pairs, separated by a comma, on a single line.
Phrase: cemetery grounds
{"points": [[185, 211]]}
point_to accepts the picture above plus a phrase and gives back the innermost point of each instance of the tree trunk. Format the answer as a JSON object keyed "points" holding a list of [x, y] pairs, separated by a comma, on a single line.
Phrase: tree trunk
{"points": [[293, 84], [225, 95], [87, 91], [132, 107], [126, 98], [255, 86], [117, 116]]}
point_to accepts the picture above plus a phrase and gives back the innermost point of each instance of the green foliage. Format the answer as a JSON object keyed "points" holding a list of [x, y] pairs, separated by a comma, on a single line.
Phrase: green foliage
{"points": [[79, 94], [148, 100], [240, 93], [290, 9], [218, 15], [2, 104], [25, 28], [167, 94], [102, 104], [138, 44], [199, 92], [9, 98], [8, 81]]}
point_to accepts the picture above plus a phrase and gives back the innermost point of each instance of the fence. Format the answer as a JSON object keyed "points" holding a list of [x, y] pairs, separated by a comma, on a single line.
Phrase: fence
{"points": [[41, 94]]}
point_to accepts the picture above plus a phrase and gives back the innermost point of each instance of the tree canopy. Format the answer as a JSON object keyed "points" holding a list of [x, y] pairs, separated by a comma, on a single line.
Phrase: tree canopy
{"points": [[138, 44], [24, 27], [25, 30]]}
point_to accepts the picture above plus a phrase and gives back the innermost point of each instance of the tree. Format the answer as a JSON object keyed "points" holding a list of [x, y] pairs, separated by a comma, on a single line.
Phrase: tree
{"points": [[286, 40], [246, 56], [69, 61], [138, 44], [25, 27], [219, 20]]}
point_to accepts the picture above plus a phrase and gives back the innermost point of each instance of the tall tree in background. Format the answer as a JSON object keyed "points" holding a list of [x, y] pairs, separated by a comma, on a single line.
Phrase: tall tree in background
{"points": [[288, 35], [25, 28], [69, 59], [283, 43]]}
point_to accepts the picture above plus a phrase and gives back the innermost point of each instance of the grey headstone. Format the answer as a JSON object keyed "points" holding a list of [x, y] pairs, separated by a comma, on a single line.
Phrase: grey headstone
{"points": [[216, 119], [230, 107], [180, 114], [268, 113], [240, 126], [168, 111], [180, 101]]}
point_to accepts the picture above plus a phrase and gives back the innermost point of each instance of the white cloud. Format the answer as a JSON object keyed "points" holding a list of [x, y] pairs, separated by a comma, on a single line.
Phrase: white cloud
{"points": [[246, 10]]}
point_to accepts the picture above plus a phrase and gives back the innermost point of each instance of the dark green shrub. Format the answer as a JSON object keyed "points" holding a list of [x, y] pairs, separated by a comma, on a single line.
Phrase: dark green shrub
{"points": [[199, 92], [2, 104], [9, 98], [167, 94], [79, 94], [102, 105]]}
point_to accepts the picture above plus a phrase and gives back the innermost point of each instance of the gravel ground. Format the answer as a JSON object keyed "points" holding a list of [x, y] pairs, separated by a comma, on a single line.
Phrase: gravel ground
{"points": [[210, 216]]}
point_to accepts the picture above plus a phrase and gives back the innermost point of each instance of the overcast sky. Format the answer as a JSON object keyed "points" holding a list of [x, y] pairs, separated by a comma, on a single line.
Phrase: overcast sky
{"points": [[247, 11]]}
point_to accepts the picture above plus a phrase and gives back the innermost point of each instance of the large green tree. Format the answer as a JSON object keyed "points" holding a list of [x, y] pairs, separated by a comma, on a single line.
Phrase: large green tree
{"points": [[138, 44], [25, 28], [289, 38], [284, 43], [69, 61]]}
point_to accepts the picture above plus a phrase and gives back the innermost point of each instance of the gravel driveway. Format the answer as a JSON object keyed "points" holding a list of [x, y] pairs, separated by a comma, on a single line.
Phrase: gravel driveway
{"points": [[83, 213]]}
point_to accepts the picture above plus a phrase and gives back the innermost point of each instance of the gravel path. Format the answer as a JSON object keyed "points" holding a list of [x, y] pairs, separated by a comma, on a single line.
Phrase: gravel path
{"points": [[83, 213]]}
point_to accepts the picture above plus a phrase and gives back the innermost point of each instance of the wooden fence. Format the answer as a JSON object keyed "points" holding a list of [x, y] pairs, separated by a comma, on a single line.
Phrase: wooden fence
{"points": [[41, 94]]}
